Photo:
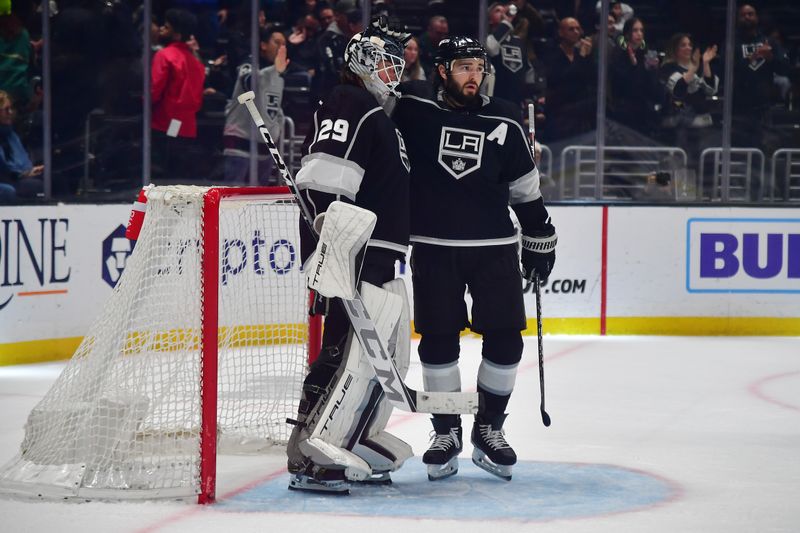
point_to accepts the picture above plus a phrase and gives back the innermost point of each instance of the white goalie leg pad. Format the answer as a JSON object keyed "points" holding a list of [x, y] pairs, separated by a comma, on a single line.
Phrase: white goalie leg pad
{"points": [[328, 455], [351, 401], [327, 444], [332, 270], [383, 451], [400, 341]]}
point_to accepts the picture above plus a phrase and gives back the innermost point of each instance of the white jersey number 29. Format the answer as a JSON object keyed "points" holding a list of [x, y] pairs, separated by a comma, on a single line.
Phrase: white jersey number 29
{"points": [[336, 131]]}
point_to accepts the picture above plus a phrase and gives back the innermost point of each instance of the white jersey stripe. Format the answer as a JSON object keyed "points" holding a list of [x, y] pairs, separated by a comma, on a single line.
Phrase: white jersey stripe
{"points": [[358, 127], [377, 243], [331, 174], [465, 243], [316, 131], [525, 189]]}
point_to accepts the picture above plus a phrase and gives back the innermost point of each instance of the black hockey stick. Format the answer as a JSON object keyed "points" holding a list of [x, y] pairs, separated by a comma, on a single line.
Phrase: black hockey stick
{"points": [[397, 392], [536, 287]]}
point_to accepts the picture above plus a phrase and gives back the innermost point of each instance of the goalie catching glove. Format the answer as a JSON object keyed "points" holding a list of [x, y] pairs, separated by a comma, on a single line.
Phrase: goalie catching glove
{"points": [[539, 252]]}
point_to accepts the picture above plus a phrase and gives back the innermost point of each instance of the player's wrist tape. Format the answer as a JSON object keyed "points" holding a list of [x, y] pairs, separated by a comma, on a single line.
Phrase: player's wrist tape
{"points": [[540, 245]]}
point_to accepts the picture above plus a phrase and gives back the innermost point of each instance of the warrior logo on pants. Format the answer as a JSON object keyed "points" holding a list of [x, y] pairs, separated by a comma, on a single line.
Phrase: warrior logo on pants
{"points": [[460, 151]]}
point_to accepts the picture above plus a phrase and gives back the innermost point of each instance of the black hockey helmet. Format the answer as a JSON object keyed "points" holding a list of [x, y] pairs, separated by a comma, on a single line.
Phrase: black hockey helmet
{"points": [[453, 48]]}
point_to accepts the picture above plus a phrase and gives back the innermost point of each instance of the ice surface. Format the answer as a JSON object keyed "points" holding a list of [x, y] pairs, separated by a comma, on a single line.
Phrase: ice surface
{"points": [[656, 434]]}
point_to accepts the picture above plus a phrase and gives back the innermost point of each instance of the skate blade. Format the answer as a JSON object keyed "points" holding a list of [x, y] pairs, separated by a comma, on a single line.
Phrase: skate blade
{"points": [[483, 462], [308, 484], [437, 472]]}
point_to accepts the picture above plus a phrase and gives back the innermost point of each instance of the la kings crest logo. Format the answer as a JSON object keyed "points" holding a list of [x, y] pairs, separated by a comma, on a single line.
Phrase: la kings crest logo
{"points": [[271, 101], [748, 50], [512, 56], [460, 151], [272, 105]]}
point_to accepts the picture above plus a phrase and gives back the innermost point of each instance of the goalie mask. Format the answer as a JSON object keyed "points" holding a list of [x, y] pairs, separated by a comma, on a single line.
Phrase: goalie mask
{"points": [[376, 57]]}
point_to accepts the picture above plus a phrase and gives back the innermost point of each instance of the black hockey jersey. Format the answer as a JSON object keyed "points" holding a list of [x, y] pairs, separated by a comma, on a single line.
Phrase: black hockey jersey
{"points": [[356, 152], [467, 166]]}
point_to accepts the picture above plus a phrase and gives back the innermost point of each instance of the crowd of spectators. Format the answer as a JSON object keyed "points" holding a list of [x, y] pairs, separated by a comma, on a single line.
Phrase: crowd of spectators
{"points": [[664, 79]]}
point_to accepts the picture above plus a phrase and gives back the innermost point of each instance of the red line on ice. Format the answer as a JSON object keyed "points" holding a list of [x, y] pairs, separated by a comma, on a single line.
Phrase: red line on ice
{"points": [[755, 389]]}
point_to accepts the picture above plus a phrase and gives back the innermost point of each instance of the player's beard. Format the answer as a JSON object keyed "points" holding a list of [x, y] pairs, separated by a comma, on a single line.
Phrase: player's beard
{"points": [[457, 94]]}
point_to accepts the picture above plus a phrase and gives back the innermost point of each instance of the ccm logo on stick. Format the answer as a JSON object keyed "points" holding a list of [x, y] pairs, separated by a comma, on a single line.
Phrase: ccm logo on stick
{"points": [[743, 255]]}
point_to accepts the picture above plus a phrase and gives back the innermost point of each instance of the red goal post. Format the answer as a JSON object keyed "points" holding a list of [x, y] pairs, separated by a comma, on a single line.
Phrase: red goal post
{"points": [[210, 328]]}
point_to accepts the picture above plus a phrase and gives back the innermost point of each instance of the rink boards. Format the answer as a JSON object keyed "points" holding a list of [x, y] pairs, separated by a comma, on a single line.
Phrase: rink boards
{"points": [[619, 270]]}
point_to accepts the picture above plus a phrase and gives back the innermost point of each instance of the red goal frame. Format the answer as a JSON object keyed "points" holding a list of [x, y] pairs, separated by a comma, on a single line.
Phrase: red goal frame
{"points": [[209, 329]]}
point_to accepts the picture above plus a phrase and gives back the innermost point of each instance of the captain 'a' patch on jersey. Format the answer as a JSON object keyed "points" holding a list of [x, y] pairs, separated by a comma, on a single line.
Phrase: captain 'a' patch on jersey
{"points": [[512, 56], [460, 151]]}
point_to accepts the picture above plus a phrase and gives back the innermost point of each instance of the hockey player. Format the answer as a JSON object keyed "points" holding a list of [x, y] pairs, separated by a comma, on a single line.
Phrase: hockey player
{"points": [[356, 155], [469, 161]]}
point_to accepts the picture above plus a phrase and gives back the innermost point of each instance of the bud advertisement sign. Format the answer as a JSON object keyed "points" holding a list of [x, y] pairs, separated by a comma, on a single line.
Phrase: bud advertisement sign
{"points": [[749, 255]]}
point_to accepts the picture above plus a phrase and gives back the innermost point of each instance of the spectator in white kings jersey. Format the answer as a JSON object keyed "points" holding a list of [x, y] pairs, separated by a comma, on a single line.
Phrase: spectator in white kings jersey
{"points": [[236, 135], [470, 159], [354, 154]]}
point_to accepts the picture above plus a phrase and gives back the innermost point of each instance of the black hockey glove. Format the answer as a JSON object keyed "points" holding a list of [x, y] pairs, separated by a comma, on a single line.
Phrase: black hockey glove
{"points": [[539, 252]]}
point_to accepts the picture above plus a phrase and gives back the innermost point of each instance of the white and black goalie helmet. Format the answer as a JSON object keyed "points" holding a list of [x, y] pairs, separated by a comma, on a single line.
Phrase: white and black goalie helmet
{"points": [[377, 50]]}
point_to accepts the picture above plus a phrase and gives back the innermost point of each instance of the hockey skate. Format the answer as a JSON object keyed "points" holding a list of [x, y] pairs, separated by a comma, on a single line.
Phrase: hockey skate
{"points": [[442, 455], [303, 473], [492, 453], [318, 479]]}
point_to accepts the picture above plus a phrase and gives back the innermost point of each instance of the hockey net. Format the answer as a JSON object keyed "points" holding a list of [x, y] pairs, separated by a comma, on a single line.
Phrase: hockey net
{"points": [[205, 334]]}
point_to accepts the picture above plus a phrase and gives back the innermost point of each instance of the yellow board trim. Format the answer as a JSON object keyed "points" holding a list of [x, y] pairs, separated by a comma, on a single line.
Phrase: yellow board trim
{"points": [[45, 350], [41, 351], [696, 326], [668, 326], [565, 326]]}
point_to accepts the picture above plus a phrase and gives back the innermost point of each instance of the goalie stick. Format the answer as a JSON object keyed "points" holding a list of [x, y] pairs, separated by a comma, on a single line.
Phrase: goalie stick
{"points": [[397, 392], [537, 288]]}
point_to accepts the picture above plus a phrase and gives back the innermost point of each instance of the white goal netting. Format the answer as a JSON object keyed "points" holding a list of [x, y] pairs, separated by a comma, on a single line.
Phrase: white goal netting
{"points": [[124, 418]]}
